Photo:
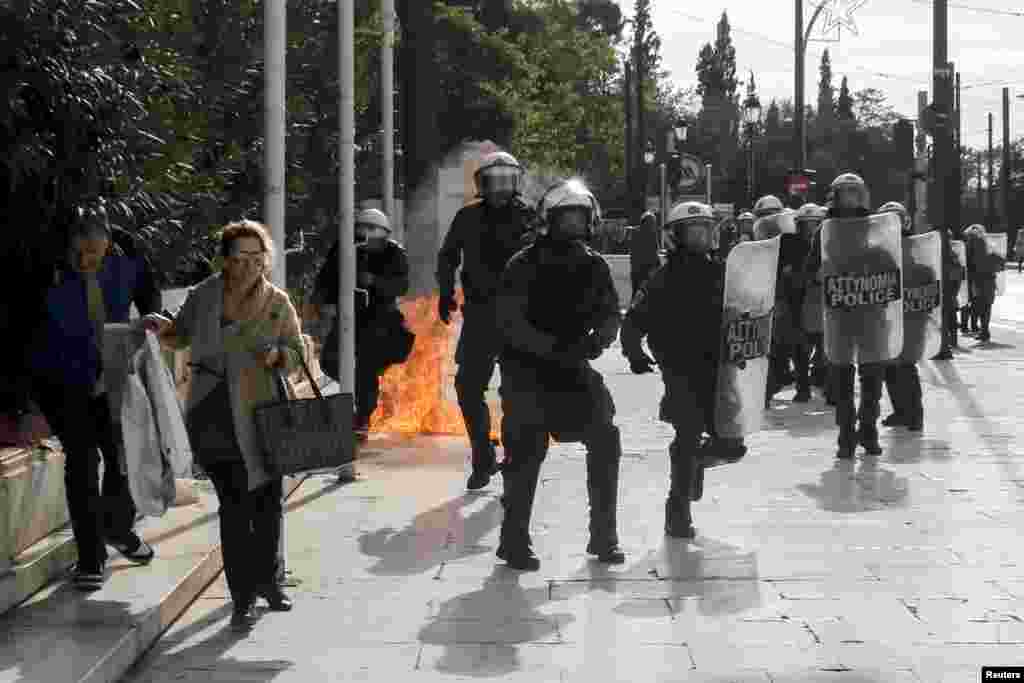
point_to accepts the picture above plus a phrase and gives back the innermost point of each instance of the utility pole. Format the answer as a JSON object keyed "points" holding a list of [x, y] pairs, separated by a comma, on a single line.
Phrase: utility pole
{"points": [[275, 76], [942, 212], [346, 196], [957, 224], [387, 113], [628, 94], [799, 134], [981, 201], [989, 209], [1004, 172], [641, 131]]}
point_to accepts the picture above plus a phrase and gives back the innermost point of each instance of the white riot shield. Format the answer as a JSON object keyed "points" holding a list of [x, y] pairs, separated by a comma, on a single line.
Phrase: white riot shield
{"points": [[922, 296], [862, 288], [782, 223], [996, 244], [962, 294], [747, 304]]}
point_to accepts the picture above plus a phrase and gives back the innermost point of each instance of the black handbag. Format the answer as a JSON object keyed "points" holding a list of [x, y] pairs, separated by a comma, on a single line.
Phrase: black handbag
{"points": [[211, 426], [300, 434]]}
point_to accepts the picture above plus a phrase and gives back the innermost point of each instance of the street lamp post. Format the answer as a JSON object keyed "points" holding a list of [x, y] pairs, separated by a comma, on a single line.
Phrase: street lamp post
{"points": [[649, 158], [752, 121]]}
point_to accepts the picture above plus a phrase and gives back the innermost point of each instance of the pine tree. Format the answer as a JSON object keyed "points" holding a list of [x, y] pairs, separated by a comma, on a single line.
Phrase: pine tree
{"points": [[718, 123], [773, 119], [826, 93], [844, 103]]}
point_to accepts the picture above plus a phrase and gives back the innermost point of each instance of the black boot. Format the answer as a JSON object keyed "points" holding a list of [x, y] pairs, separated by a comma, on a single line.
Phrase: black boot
{"points": [[485, 466], [603, 455], [868, 410], [515, 545], [678, 518]]}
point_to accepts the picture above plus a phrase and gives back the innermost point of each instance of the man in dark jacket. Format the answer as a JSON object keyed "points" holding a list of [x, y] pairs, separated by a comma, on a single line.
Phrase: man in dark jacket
{"points": [[687, 355], [643, 251], [482, 238], [558, 310], [381, 339]]}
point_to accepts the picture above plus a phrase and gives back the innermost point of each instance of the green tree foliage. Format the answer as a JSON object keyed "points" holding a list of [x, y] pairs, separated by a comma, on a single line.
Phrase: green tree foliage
{"points": [[826, 94], [844, 102]]}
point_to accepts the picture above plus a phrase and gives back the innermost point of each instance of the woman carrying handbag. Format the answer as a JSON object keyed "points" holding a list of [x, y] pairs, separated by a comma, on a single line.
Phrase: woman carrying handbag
{"points": [[244, 334]]}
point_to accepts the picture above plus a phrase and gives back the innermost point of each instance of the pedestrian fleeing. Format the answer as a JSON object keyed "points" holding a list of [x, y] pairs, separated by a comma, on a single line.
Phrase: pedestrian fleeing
{"points": [[687, 355], [243, 333], [558, 310], [381, 336], [482, 238], [902, 379], [85, 287], [857, 424], [643, 251]]}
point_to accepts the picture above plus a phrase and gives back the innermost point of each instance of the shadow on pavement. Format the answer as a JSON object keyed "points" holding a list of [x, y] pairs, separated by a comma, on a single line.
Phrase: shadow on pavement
{"points": [[439, 534], [861, 487], [907, 448], [480, 631], [800, 419]]}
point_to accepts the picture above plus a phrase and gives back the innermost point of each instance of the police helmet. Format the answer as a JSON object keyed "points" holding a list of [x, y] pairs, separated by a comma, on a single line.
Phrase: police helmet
{"points": [[851, 180], [683, 215], [811, 212], [499, 172], [746, 216], [899, 209], [566, 195], [781, 223], [374, 217], [767, 205]]}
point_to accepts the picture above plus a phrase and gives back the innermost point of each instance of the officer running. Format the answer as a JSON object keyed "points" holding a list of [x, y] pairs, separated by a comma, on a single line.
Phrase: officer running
{"points": [[381, 339], [687, 355], [482, 238], [902, 380], [558, 309], [857, 425]]}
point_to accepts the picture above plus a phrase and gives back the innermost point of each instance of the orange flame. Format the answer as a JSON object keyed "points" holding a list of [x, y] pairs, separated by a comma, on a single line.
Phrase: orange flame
{"points": [[415, 397]]}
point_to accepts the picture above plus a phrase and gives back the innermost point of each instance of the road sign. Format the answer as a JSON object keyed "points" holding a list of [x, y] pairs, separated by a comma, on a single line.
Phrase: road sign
{"points": [[797, 184], [691, 171]]}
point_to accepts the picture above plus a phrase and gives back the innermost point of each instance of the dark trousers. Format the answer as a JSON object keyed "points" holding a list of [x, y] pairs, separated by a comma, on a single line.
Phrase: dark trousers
{"points": [[903, 382], [525, 431], [367, 386], [857, 422], [86, 430], [250, 528], [949, 293], [477, 356], [818, 361], [638, 279]]}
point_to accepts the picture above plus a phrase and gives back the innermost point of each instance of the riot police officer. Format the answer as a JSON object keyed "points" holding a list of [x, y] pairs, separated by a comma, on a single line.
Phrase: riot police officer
{"points": [[902, 380], [983, 268], [381, 339], [745, 226], [767, 205], [687, 355], [796, 285], [482, 238], [558, 309], [857, 425]]}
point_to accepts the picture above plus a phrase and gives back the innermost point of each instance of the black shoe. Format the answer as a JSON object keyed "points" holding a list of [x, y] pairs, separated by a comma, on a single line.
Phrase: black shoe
{"points": [[871, 445], [894, 420], [915, 425], [522, 559], [481, 477], [607, 553], [802, 396], [678, 521], [845, 452], [943, 355], [984, 336], [138, 551], [242, 616], [89, 577], [276, 598]]}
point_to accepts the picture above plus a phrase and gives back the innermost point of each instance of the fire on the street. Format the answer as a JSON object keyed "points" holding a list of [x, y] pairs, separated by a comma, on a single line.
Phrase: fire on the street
{"points": [[413, 396]]}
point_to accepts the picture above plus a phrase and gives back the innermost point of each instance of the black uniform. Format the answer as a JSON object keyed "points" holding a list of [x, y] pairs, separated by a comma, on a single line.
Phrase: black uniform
{"points": [[903, 383], [857, 424], [381, 337], [953, 273], [982, 268], [481, 240], [789, 343], [643, 252], [558, 308], [688, 357]]}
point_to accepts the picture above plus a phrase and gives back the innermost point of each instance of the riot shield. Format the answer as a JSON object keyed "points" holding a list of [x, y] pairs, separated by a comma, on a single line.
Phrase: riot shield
{"points": [[995, 244], [962, 294], [862, 288], [922, 296], [747, 303]]}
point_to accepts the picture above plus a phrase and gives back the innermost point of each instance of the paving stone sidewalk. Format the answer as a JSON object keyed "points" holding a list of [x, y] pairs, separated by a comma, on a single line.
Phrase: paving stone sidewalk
{"points": [[904, 567]]}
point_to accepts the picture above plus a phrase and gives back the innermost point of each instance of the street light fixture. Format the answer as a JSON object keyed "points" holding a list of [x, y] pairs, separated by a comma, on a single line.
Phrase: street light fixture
{"points": [[649, 153], [680, 129]]}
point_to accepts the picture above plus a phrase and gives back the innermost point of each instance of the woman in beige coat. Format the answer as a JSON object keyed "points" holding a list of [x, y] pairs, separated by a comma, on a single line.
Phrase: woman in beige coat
{"points": [[242, 330]]}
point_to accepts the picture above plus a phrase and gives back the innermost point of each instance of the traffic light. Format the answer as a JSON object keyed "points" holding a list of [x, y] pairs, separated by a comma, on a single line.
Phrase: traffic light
{"points": [[903, 139]]}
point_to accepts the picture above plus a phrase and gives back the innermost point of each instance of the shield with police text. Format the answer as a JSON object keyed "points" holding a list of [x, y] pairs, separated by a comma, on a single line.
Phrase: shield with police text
{"points": [[781, 223], [747, 311], [959, 248], [922, 296], [862, 288], [996, 246]]}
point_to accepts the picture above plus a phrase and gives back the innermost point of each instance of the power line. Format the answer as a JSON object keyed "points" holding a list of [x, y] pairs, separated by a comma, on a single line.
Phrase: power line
{"points": [[971, 8]]}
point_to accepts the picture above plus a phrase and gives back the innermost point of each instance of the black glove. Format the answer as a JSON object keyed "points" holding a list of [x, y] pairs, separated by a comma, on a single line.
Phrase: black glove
{"points": [[642, 365], [445, 307]]}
